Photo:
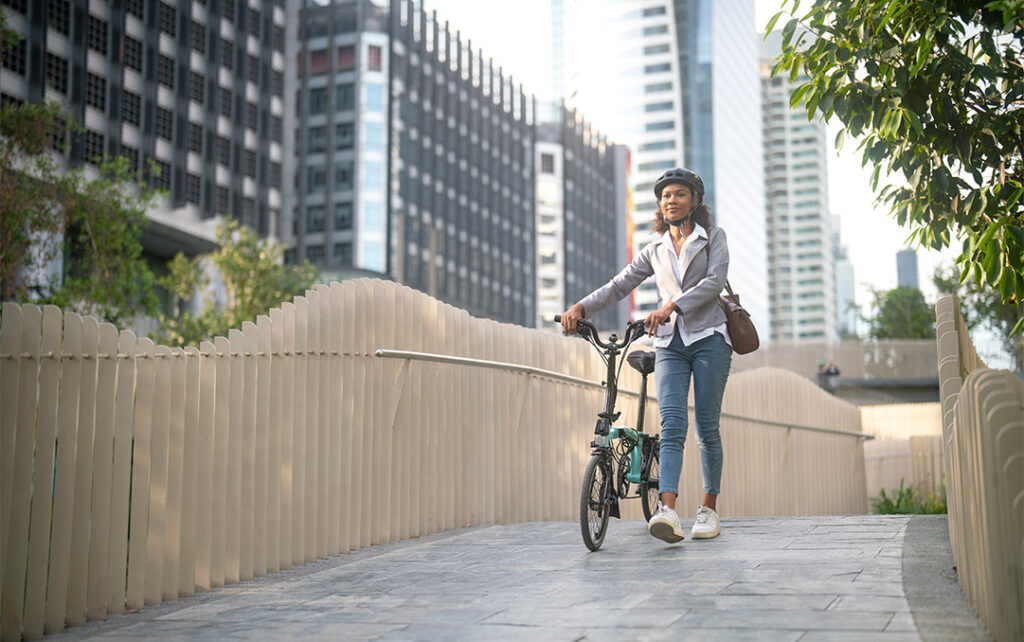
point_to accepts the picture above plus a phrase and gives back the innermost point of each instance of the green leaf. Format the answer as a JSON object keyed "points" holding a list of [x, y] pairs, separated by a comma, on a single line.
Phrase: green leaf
{"points": [[771, 24], [840, 137]]}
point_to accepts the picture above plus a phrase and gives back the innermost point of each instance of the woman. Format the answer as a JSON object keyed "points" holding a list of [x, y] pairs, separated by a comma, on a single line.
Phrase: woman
{"points": [[690, 261]]}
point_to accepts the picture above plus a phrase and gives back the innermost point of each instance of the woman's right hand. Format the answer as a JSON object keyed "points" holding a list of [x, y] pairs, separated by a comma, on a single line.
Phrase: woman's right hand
{"points": [[570, 317]]}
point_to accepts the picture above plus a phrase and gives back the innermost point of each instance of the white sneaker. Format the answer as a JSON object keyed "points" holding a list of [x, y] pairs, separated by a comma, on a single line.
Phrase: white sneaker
{"points": [[706, 525], [665, 525]]}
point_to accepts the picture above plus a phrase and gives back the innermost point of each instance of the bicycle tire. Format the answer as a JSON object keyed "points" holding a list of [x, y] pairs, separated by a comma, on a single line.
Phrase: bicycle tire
{"points": [[594, 501], [649, 494]]}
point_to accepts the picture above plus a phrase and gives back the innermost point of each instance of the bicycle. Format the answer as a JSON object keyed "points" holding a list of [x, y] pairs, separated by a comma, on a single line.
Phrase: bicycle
{"points": [[620, 455]]}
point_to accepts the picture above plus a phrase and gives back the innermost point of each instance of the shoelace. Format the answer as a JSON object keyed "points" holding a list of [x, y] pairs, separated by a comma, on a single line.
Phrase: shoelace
{"points": [[703, 516]]}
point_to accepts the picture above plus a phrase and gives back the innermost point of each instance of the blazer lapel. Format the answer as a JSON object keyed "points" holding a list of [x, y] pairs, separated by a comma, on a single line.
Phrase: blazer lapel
{"points": [[689, 253]]}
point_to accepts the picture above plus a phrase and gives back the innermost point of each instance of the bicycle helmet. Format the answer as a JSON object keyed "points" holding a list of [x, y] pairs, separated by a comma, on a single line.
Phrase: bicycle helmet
{"points": [[684, 176]]}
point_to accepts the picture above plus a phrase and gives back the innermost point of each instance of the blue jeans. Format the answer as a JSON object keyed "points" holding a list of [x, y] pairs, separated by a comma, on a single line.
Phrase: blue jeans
{"points": [[708, 361]]}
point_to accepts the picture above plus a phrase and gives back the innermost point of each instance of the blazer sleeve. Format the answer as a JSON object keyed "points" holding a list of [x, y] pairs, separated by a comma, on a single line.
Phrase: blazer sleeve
{"points": [[621, 284], [711, 286]]}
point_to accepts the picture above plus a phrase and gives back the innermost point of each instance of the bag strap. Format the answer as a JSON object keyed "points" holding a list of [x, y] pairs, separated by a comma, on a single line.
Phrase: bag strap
{"points": [[707, 250]]}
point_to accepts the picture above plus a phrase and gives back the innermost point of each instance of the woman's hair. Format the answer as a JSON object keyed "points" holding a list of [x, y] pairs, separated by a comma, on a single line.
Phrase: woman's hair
{"points": [[701, 215]]}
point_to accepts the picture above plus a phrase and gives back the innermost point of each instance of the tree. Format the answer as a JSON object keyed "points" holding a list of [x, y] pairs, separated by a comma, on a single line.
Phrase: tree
{"points": [[901, 313], [981, 307], [934, 90], [53, 216], [254, 279]]}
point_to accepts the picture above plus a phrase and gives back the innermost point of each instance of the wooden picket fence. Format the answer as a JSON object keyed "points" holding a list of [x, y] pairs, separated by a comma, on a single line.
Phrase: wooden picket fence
{"points": [[907, 447], [133, 473], [983, 448]]}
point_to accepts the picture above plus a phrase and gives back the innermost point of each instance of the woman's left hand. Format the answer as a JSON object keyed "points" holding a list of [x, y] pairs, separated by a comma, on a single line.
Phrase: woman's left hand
{"points": [[659, 316]]}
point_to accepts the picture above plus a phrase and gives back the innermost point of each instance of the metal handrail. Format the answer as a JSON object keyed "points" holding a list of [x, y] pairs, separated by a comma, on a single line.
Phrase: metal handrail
{"points": [[551, 374]]}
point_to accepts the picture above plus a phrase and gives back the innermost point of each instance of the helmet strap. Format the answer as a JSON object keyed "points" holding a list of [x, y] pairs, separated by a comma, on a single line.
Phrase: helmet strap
{"points": [[682, 220]]}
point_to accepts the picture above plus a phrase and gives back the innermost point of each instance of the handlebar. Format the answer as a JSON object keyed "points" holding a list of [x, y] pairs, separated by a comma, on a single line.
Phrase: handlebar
{"points": [[634, 330]]}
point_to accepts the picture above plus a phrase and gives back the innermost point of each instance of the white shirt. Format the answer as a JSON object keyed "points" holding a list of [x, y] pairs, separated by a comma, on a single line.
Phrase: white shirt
{"points": [[692, 337]]}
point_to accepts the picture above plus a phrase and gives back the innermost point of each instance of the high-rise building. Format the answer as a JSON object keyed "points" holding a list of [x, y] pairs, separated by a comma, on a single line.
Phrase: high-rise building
{"points": [[847, 313], [906, 269], [581, 217], [416, 160], [802, 283], [677, 82], [195, 88]]}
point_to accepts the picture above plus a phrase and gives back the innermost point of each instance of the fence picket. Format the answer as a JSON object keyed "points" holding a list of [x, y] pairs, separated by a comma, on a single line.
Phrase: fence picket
{"points": [[221, 448], [247, 446], [311, 426], [262, 474], [287, 441], [103, 458], [233, 461], [124, 412], [321, 479], [189, 472], [332, 393], [361, 418], [64, 488], [43, 473], [205, 444], [274, 446], [141, 462], [299, 514], [159, 445], [171, 573], [350, 382]]}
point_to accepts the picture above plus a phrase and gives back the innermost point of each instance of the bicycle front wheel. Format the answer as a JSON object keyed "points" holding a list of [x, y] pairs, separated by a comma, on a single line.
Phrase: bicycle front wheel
{"points": [[649, 484], [594, 502]]}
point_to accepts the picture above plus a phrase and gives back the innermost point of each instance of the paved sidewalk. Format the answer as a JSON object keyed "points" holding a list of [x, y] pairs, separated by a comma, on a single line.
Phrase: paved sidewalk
{"points": [[816, 578]]}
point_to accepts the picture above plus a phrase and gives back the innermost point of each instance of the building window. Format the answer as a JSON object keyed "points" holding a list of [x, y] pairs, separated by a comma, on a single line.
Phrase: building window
{"points": [[653, 69], [315, 253], [57, 12], [252, 69], [97, 38], [343, 216], [197, 87], [21, 6], [345, 97], [254, 22], [192, 187], [666, 106], [195, 138], [661, 126], [547, 163], [134, 7], [375, 97], [164, 124], [15, 57], [277, 83], [131, 107], [655, 49], [654, 11], [252, 116], [161, 176], [654, 31], [276, 129], [95, 91], [314, 219], [224, 151], [92, 144], [343, 136], [224, 100], [132, 155], [165, 71], [250, 163], [198, 37], [278, 38], [133, 53], [317, 100], [343, 253], [168, 15], [221, 199], [275, 175], [317, 137], [227, 54], [315, 179], [318, 62], [56, 73], [227, 9], [373, 57], [343, 176], [346, 58], [374, 137]]}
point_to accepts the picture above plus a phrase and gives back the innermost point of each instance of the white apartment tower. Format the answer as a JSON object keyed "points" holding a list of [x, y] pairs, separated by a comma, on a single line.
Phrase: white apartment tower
{"points": [[677, 82], [801, 251]]}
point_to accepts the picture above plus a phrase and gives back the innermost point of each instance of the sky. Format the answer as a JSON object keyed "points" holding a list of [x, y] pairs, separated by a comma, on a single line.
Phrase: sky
{"points": [[517, 36]]}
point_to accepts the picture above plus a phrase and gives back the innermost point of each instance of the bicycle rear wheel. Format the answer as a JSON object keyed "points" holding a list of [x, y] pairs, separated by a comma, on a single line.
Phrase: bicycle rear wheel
{"points": [[649, 483], [594, 505]]}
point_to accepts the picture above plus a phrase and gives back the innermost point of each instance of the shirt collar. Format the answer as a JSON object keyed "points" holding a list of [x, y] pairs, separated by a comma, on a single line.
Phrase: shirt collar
{"points": [[698, 229]]}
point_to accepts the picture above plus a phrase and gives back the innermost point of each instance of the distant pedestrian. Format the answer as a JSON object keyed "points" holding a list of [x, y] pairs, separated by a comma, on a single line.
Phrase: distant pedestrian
{"points": [[690, 262]]}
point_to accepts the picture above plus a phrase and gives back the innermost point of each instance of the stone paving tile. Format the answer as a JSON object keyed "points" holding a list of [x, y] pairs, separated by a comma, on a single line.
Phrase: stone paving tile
{"points": [[776, 579], [859, 636]]}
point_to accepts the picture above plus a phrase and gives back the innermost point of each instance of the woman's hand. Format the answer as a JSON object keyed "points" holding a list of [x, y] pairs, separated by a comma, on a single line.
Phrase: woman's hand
{"points": [[659, 316], [570, 317]]}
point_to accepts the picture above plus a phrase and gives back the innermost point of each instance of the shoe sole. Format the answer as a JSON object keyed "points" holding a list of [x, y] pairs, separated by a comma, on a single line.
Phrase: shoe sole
{"points": [[666, 533], [715, 533]]}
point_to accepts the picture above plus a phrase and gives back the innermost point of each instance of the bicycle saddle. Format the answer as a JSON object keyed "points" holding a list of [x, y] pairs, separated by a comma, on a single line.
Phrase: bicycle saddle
{"points": [[641, 361]]}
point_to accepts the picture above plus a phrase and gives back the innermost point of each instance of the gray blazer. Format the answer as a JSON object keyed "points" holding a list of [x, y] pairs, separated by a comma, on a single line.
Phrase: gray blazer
{"points": [[696, 296]]}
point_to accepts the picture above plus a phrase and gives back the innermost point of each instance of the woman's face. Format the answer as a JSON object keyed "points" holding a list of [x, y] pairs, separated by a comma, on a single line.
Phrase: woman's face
{"points": [[676, 201]]}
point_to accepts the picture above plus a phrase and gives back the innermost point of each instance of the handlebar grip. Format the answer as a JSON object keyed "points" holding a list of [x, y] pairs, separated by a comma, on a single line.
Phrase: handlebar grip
{"points": [[558, 318]]}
